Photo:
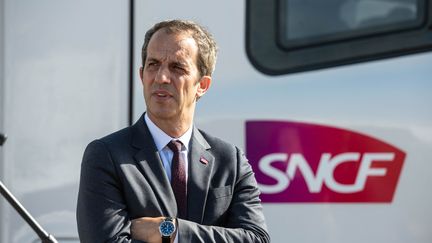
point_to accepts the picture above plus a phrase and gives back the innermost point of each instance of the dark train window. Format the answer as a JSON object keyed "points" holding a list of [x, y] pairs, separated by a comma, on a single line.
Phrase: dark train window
{"points": [[285, 36]]}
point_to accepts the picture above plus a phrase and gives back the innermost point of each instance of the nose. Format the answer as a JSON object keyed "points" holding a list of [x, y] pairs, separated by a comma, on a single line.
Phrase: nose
{"points": [[162, 75]]}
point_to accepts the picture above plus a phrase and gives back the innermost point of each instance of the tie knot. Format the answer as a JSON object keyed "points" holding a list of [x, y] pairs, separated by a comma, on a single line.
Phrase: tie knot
{"points": [[175, 145]]}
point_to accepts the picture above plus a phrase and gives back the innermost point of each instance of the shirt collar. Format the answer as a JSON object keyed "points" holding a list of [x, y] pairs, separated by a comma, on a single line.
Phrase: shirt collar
{"points": [[162, 139]]}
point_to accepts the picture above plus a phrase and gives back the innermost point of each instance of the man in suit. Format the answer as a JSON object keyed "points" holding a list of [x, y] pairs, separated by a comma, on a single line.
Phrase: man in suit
{"points": [[162, 179]]}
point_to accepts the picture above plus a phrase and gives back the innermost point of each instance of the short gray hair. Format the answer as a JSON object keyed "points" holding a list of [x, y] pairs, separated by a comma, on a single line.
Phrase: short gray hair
{"points": [[207, 49]]}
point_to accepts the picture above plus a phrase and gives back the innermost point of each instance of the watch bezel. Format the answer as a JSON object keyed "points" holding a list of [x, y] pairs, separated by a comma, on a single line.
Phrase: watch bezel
{"points": [[169, 221]]}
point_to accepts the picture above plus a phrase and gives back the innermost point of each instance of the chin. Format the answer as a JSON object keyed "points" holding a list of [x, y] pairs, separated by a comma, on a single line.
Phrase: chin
{"points": [[162, 113]]}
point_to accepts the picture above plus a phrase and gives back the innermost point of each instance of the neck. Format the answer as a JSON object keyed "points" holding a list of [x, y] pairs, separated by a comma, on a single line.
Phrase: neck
{"points": [[173, 127]]}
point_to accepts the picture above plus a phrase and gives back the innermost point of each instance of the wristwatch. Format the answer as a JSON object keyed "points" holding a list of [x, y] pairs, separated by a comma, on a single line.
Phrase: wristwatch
{"points": [[167, 228]]}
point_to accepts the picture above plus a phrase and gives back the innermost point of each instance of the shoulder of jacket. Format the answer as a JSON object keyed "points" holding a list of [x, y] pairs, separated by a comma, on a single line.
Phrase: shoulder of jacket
{"points": [[119, 137], [216, 142]]}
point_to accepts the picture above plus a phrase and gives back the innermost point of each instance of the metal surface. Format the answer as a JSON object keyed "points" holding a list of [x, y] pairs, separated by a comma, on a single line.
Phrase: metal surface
{"points": [[43, 235], [2, 139]]}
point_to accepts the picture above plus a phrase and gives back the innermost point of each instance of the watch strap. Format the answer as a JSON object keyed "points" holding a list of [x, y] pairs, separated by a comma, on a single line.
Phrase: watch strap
{"points": [[166, 239]]}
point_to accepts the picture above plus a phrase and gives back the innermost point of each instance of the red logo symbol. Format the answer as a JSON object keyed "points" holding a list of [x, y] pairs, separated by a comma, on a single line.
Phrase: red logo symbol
{"points": [[297, 162]]}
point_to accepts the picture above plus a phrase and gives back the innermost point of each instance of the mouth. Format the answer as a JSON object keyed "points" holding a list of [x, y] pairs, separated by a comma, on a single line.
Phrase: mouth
{"points": [[162, 94]]}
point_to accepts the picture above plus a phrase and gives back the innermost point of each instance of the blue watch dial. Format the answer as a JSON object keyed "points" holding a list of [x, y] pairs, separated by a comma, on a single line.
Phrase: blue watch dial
{"points": [[167, 228]]}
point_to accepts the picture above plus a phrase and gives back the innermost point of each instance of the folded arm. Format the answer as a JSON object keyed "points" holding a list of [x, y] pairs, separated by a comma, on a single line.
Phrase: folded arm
{"points": [[101, 211]]}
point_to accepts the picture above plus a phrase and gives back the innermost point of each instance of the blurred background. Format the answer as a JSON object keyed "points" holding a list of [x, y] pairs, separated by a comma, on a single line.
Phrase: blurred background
{"points": [[69, 74]]}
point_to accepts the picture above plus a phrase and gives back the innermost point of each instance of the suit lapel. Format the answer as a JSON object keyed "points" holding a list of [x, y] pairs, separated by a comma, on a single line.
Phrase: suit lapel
{"points": [[201, 163], [149, 160]]}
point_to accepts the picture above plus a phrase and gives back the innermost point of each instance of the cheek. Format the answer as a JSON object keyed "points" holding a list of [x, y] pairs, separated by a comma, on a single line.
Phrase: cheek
{"points": [[189, 89], [146, 83], [146, 90], [147, 77], [192, 94]]}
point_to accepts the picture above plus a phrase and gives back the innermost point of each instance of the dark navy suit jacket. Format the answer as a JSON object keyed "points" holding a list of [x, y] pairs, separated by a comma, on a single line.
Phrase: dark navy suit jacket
{"points": [[122, 178]]}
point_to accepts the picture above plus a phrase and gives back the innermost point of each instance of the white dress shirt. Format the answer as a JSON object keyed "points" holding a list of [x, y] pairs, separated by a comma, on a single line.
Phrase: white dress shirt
{"points": [[162, 139]]}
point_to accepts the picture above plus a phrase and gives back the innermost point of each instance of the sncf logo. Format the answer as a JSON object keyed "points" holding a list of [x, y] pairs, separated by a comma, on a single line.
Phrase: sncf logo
{"points": [[297, 162]]}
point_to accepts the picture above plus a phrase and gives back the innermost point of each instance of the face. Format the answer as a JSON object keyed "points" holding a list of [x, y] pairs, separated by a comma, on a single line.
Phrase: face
{"points": [[171, 79]]}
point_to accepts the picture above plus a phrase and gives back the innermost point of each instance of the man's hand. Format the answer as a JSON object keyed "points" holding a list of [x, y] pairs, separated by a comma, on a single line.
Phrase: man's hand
{"points": [[147, 229]]}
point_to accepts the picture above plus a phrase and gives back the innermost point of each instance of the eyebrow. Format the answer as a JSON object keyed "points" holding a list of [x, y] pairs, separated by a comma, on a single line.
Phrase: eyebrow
{"points": [[180, 63], [151, 59], [175, 62]]}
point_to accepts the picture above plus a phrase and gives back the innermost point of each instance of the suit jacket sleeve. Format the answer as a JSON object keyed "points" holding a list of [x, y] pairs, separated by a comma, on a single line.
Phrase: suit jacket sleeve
{"points": [[244, 219], [101, 209], [115, 188]]}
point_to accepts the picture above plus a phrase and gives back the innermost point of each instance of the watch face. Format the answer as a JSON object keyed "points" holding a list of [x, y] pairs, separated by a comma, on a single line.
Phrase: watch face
{"points": [[166, 228]]}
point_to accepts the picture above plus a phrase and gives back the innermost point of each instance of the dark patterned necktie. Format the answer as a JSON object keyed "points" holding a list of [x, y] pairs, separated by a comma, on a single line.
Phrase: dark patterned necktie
{"points": [[178, 178]]}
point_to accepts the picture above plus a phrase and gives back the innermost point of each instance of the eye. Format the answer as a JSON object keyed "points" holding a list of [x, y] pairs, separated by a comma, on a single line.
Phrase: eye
{"points": [[179, 68], [152, 63]]}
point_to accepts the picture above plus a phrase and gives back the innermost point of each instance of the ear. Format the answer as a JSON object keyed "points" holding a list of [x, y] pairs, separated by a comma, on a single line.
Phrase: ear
{"points": [[141, 70], [203, 86]]}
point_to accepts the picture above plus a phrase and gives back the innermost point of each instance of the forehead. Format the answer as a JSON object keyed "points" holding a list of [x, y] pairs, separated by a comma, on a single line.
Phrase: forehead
{"points": [[164, 45]]}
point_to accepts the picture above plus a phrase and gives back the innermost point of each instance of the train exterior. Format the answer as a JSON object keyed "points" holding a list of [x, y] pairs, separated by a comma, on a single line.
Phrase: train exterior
{"points": [[330, 100]]}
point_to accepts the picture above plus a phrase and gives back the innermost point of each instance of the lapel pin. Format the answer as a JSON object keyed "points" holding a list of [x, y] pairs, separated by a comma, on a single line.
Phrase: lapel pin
{"points": [[203, 161]]}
